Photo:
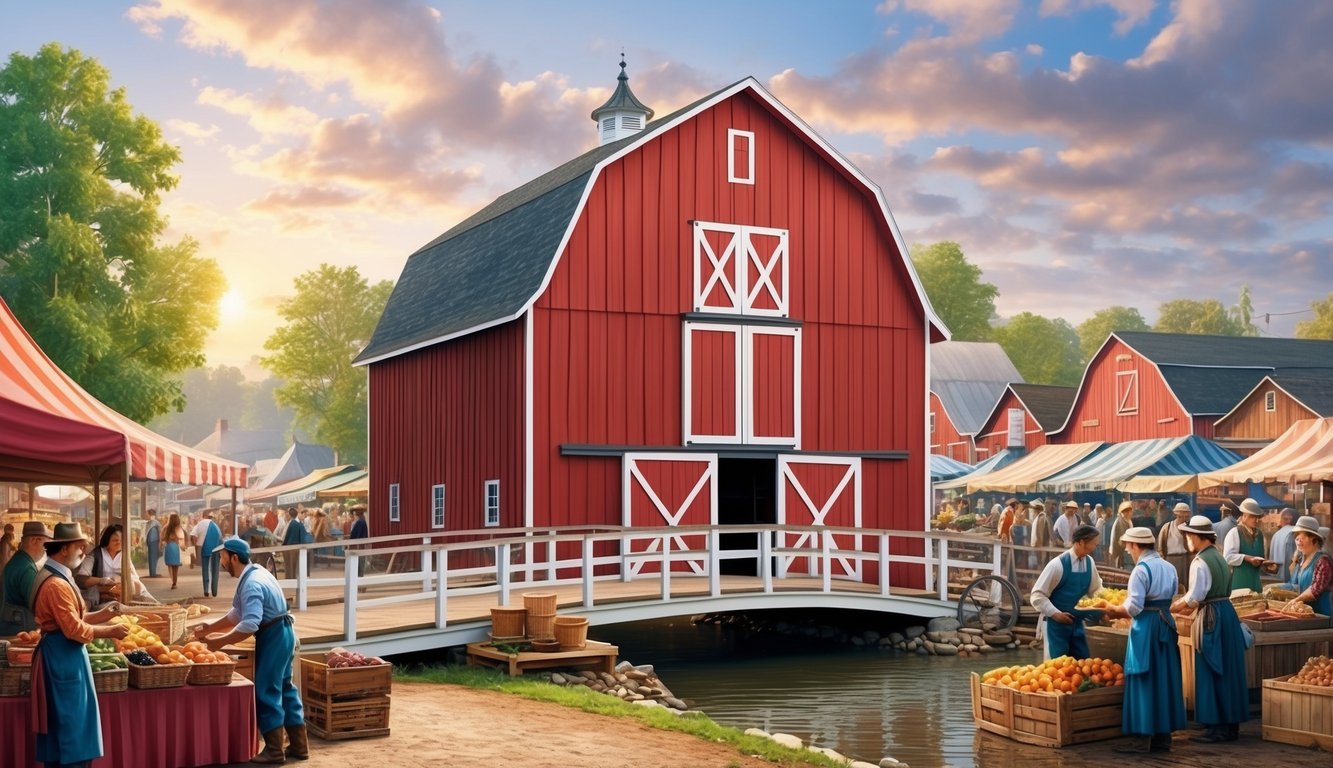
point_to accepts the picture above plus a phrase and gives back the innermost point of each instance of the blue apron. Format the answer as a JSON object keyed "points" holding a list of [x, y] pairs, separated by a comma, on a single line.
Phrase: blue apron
{"points": [[1305, 577], [1154, 701], [74, 726], [1069, 639], [277, 702]]}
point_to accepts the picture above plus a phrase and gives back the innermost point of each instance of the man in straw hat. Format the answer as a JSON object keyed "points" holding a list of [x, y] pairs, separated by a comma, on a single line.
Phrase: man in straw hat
{"points": [[19, 574], [1063, 582], [1171, 541], [259, 609], [64, 702], [1063, 528], [1221, 700], [1124, 520], [1243, 547], [1311, 567], [1154, 704]]}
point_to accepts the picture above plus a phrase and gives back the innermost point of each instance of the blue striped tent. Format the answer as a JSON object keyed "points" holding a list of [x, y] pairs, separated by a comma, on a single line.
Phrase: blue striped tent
{"points": [[946, 467], [989, 465], [1160, 463]]}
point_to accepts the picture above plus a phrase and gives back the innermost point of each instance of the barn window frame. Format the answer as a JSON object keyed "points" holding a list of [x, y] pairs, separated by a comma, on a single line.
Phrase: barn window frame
{"points": [[1270, 401], [736, 139], [490, 503], [1126, 393], [437, 502], [740, 252], [395, 511]]}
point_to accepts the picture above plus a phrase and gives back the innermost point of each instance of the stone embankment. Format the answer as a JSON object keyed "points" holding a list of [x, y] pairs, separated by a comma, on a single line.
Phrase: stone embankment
{"points": [[794, 742], [635, 684], [940, 637]]}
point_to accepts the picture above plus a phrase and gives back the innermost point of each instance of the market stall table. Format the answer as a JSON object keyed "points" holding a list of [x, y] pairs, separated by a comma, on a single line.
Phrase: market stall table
{"points": [[1274, 654], [215, 725]]}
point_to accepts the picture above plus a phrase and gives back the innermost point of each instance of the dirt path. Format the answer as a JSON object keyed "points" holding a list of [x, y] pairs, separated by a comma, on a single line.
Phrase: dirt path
{"points": [[435, 725]]}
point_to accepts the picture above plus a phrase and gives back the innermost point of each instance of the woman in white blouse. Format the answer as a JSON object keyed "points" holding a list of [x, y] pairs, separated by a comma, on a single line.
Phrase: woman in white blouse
{"points": [[99, 574]]}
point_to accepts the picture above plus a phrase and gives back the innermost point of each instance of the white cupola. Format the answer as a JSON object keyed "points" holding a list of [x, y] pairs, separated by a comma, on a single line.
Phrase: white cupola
{"points": [[622, 115]]}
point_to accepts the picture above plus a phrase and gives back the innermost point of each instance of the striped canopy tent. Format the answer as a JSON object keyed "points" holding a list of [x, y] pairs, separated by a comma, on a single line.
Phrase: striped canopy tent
{"points": [[946, 467], [1302, 454], [271, 495], [52, 431], [331, 483], [360, 488], [1171, 457], [1000, 459], [1025, 473]]}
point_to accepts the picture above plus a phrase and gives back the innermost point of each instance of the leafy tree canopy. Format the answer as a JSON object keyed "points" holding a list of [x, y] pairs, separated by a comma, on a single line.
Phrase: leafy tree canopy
{"points": [[1045, 351], [1321, 325], [1092, 333], [1192, 316], [329, 320], [81, 264], [960, 298]]}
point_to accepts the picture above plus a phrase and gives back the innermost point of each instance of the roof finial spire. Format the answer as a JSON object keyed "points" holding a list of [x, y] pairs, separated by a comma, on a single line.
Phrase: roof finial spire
{"points": [[622, 114]]}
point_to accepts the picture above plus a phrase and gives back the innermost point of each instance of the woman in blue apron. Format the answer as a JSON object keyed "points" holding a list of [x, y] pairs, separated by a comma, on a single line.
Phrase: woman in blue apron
{"points": [[1063, 582], [1154, 704], [1312, 569]]}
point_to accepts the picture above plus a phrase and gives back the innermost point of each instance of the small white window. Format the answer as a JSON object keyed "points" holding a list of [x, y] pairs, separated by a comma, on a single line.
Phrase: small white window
{"points": [[1270, 401], [437, 506], [492, 503], [932, 423], [740, 156], [393, 503], [1126, 393]]}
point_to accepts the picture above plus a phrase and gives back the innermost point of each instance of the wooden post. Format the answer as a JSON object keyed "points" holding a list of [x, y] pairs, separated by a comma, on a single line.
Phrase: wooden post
{"points": [[349, 596], [714, 563], [126, 556], [883, 564], [441, 587], [32, 500], [587, 571], [97, 506], [766, 560]]}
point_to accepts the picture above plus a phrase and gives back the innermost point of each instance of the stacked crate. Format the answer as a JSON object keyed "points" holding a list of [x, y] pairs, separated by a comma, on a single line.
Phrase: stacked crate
{"points": [[345, 702]]}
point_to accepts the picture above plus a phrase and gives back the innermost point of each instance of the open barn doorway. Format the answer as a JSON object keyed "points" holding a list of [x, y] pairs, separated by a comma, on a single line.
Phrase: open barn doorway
{"points": [[746, 495]]}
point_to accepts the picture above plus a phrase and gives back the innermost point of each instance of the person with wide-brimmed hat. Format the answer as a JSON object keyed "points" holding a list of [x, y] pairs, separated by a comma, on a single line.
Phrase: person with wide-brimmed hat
{"points": [[1311, 567], [64, 702], [18, 576], [1221, 700], [1171, 541], [1117, 556], [1283, 542], [1154, 702], [1243, 546], [1062, 530], [1063, 582]]}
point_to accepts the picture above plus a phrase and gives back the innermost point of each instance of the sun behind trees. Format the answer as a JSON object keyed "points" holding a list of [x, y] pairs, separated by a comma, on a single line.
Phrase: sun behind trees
{"points": [[81, 262]]}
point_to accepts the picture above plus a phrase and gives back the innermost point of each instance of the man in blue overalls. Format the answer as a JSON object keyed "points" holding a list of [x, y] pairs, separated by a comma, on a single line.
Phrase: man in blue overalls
{"points": [[1062, 583], [260, 609]]}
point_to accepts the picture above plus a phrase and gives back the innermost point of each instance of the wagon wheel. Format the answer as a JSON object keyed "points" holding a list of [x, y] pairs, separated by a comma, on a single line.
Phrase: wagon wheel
{"points": [[990, 603]]}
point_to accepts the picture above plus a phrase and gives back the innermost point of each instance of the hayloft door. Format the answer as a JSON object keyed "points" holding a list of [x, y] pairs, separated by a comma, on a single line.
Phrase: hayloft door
{"points": [[668, 490], [819, 491]]}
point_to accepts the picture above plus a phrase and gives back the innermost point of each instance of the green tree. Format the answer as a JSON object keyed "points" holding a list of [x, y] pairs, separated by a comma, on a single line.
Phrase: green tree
{"points": [[1092, 333], [81, 264], [1321, 325], [1045, 351], [960, 298], [329, 320], [1243, 313], [1191, 316]]}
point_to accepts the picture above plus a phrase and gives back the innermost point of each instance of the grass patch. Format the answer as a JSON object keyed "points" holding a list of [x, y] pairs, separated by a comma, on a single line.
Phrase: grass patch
{"points": [[540, 689]]}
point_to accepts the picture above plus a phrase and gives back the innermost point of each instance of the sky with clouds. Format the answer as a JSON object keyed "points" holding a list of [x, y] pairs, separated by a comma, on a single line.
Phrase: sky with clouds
{"points": [[1085, 153]]}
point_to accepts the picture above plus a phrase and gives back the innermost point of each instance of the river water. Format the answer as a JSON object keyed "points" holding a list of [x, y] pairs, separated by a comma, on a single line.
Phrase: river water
{"points": [[863, 702]]}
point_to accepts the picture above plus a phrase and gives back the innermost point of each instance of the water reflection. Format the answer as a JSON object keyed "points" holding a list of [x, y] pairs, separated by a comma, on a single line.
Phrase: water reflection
{"points": [[863, 703]]}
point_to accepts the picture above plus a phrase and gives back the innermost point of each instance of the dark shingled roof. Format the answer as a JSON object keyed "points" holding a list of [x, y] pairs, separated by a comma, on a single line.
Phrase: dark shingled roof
{"points": [[1211, 374], [489, 265], [1314, 392], [1049, 404]]}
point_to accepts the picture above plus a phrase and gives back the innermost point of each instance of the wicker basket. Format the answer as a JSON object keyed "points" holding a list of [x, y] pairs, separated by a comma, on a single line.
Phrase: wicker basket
{"points": [[546, 646], [508, 622], [167, 621], [111, 681], [541, 627], [159, 675], [19, 655], [572, 632], [539, 603], [14, 681], [212, 674]]}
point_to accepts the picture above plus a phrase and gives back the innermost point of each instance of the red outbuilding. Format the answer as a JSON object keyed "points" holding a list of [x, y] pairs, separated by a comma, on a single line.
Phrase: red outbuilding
{"points": [[1040, 408], [711, 318]]}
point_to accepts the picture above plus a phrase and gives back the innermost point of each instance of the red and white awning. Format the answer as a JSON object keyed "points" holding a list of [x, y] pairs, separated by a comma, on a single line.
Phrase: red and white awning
{"points": [[1302, 454], [33, 390]]}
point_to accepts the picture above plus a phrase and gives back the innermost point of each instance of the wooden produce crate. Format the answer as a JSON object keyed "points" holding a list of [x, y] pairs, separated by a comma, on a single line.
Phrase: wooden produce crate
{"points": [[355, 719], [1048, 720], [319, 679], [15, 681], [211, 674], [1275, 654], [166, 621], [1108, 643], [1298, 714], [1286, 624]]}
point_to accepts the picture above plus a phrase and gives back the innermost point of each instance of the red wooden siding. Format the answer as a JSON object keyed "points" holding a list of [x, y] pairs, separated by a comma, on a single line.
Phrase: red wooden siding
{"points": [[713, 381], [452, 414], [946, 439], [994, 434], [831, 490], [607, 347], [774, 394], [1094, 415]]}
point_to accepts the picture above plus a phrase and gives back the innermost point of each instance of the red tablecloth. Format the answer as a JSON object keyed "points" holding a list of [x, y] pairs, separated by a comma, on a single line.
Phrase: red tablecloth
{"points": [[195, 725]]}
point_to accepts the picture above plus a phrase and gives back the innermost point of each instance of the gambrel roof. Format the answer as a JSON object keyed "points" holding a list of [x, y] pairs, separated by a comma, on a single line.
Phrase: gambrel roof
{"points": [[491, 267]]}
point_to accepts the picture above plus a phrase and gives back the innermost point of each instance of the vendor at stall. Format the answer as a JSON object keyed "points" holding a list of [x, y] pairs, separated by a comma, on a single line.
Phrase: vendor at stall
{"points": [[64, 702], [19, 574], [100, 574], [1063, 582], [1311, 567], [1221, 699], [1243, 547], [260, 609], [1154, 702]]}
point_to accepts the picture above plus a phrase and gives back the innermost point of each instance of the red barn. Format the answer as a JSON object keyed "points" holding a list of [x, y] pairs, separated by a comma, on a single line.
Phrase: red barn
{"points": [[966, 378], [708, 319], [1044, 408], [1143, 385]]}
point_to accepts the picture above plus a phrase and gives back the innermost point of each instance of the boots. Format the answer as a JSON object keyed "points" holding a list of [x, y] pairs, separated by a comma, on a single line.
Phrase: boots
{"points": [[272, 752], [298, 746], [1136, 745]]}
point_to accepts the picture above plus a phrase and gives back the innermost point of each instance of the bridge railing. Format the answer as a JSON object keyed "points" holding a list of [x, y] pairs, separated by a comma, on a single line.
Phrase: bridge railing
{"points": [[447, 565]]}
